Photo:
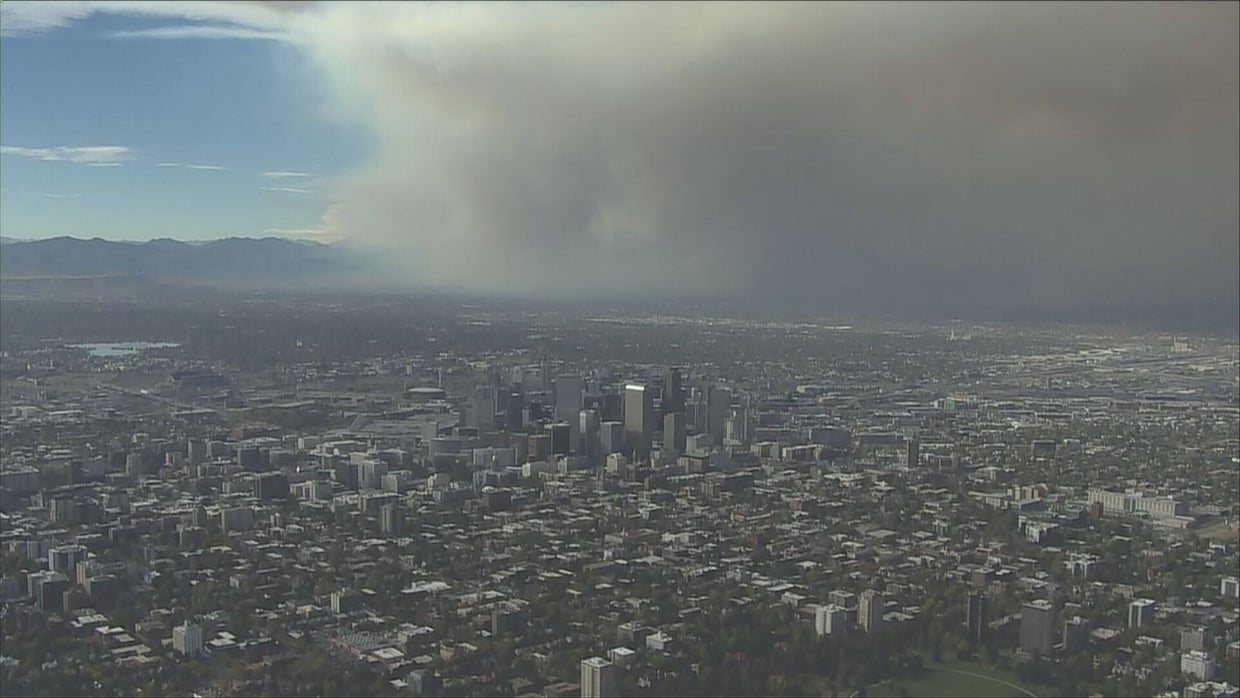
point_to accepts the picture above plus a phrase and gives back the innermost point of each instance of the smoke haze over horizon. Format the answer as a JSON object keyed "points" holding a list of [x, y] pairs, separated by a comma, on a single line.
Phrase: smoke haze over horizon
{"points": [[1025, 156]]}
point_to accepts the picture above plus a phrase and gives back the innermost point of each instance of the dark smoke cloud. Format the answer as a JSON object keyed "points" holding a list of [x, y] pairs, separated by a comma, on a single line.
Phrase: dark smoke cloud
{"points": [[1035, 155]]}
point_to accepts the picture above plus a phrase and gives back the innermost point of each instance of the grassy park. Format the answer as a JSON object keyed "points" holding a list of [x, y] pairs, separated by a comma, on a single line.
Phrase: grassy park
{"points": [[957, 679]]}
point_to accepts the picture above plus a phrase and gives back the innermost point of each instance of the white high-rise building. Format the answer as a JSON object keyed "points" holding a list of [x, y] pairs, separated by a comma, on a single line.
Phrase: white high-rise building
{"points": [[830, 620], [187, 639], [64, 559], [1197, 664], [611, 438], [597, 678], [1141, 613], [870, 610], [1128, 503]]}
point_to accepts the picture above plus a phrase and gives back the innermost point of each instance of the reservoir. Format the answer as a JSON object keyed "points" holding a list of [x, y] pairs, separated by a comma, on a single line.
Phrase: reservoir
{"points": [[105, 349]]}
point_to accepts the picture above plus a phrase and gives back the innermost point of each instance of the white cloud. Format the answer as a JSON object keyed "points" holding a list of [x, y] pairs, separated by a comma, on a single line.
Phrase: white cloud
{"points": [[48, 194], [328, 230], [18, 17], [189, 166], [97, 155], [215, 19], [280, 174], [289, 190]]}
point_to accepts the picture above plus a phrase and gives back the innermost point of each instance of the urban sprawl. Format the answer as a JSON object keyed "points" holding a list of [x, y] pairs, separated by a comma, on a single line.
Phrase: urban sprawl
{"points": [[759, 508]]}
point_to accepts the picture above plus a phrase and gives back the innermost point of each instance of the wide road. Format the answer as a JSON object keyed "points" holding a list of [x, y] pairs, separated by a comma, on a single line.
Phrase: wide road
{"points": [[223, 414]]}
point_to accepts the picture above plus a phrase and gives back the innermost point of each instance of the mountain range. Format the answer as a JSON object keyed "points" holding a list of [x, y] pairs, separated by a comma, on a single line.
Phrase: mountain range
{"points": [[245, 261]]}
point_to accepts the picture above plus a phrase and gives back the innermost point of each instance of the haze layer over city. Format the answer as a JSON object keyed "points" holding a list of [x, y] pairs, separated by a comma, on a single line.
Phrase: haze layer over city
{"points": [[620, 349]]}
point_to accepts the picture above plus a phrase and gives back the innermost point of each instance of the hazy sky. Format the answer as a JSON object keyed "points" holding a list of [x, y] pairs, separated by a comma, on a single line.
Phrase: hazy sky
{"points": [[1042, 155]]}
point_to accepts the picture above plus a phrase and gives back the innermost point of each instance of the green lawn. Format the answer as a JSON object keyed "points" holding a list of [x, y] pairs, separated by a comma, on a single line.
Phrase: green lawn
{"points": [[956, 678]]}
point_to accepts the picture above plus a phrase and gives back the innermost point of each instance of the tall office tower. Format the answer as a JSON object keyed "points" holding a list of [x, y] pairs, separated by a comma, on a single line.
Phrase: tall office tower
{"points": [[568, 403], [370, 474], [597, 678], [567, 397], [913, 453], [870, 610], [718, 409], [976, 617], [588, 436], [533, 411], [1075, 634], [196, 451], [134, 465], [515, 420], [611, 438], [695, 415], [539, 447], [1037, 627], [391, 519], [1141, 613], [561, 438], [485, 402], [673, 394], [593, 401], [674, 431], [742, 413], [734, 428], [638, 420], [613, 408], [487, 391]]}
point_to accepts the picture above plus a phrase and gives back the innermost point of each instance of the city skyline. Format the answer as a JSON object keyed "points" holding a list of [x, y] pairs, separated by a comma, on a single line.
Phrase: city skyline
{"points": [[287, 495]]}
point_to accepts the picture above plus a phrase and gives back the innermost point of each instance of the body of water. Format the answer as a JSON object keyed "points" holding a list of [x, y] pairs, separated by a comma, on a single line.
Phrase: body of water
{"points": [[121, 348]]}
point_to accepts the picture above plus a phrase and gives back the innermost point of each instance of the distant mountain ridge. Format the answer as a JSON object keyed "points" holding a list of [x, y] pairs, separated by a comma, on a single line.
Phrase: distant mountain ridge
{"points": [[248, 261]]}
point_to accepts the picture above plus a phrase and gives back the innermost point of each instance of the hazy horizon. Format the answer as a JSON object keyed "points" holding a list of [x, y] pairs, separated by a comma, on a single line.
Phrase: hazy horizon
{"points": [[1053, 158]]}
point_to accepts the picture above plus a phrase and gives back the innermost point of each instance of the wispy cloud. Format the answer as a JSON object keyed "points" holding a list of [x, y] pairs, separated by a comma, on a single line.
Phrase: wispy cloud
{"points": [[202, 32], [28, 17], [297, 232], [289, 190], [189, 166], [95, 155], [328, 230], [212, 20], [48, 194], [281, 174]]}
